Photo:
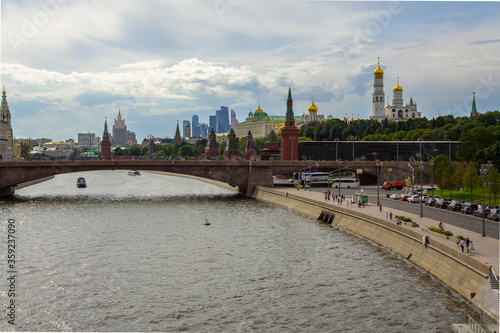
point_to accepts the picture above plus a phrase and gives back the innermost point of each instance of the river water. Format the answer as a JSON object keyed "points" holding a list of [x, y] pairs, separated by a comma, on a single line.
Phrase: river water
{"points": [[133, 254]]}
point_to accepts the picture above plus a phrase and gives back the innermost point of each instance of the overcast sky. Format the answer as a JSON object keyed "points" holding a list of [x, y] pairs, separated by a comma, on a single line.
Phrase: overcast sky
{"points": [[68, 64]]}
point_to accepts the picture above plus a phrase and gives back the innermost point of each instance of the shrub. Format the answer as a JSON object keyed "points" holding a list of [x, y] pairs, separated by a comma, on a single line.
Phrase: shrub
{"points": [[406, 219]]}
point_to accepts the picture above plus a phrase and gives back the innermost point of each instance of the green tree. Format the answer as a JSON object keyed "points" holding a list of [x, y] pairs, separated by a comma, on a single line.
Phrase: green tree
{"points": [[442, 170], [25, 151], [471, 178], [494, 185], [458, 176], [186, 151], [118, 151]]}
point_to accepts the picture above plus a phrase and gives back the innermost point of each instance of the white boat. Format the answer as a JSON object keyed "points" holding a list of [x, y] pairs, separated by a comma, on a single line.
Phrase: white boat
{"points": [[134, 173]]}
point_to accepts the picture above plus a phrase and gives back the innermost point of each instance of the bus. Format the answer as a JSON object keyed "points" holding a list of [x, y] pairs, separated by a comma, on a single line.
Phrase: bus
{"points": [[310, 176], [345, 183]]}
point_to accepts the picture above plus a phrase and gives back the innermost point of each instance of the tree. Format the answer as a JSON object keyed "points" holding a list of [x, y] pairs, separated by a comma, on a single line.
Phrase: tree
{"points": [[471, 177], [443, 170], [25, 151], [118, 151], [186, 150], [494, 184], [458, 176]]}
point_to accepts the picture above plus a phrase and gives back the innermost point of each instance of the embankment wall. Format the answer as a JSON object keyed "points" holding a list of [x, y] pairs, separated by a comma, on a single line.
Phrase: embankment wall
{"points": [[460, 272]]}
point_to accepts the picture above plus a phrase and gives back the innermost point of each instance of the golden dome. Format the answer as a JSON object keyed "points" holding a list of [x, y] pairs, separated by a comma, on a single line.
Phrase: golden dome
{"points": [[387, 105], [397, 88], [378, 70], [313, 107]]}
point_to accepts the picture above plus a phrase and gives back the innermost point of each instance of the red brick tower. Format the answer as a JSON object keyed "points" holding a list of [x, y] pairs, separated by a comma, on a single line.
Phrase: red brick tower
{"points": [[177, 137], [212, 147], [249, 149], [289, 134], [105, 143]]}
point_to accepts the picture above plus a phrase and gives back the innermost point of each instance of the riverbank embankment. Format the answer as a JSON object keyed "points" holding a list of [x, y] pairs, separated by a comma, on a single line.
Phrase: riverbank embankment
{"points": [[462, 272]]}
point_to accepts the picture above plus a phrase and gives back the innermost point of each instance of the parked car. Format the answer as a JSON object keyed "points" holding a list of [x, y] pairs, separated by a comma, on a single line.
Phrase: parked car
{"points": [[472, 205], [441, 203], [466, 210], [394, 196], [414, 199], [494, 214], [479, 212], [430, 202], [455, 205]]}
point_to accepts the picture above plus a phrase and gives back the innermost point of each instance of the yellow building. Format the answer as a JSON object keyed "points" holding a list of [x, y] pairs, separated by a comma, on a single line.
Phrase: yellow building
{"points": [[261, 124]]}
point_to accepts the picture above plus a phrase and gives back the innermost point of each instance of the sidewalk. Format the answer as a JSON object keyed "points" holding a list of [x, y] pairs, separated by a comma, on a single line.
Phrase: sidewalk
{"points": [[487, 248]]}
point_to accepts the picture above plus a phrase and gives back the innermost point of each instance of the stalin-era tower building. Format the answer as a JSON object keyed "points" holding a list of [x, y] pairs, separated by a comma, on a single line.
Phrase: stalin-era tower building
{"points": [[289, 133]]}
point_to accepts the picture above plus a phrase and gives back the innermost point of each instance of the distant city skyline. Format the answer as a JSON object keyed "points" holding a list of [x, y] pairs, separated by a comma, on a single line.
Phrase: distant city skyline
{"points": [[66, 65]]}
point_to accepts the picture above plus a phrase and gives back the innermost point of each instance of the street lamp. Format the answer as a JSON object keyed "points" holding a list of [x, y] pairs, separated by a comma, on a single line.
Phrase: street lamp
{"points": [[397, 150], [490, 164], [336, 149], [353, 139], [484, 169], [432, 177], [339, 162], [421, 189], [377, 163]]}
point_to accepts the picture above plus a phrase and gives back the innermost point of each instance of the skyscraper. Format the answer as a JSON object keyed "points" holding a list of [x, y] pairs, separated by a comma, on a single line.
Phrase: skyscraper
{"points": [[222, 120], [203, 130], [234, 121], [186, 128], [119, 130], [212, 123], [195, 128]]}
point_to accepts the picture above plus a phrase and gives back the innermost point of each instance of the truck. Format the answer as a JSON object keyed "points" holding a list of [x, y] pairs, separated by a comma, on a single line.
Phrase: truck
{"points": [[398, 185]]}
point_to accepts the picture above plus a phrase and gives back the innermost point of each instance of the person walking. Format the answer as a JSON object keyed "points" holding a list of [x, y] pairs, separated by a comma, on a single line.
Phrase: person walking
{"points": [[467, 243], [472, 248], [462, 244], [390, 216], [387, 216], [326, 195]]}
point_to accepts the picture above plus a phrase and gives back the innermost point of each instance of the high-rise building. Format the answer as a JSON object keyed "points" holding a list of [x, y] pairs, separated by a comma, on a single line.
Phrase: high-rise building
{"points": [[86, 139], [222, 120], [212, 123], [186, 128], [203, 130], [119, 131], [6, 133], [195, 128], [234, 121]]}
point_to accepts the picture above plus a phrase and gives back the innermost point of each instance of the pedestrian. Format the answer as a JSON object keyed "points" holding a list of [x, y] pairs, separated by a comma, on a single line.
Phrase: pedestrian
{"points": [[326, 195], [386, 216], [458, 241], [467, 243], [462, 244], [472, 248], [390, 216], [380, 207], [329, 193]]}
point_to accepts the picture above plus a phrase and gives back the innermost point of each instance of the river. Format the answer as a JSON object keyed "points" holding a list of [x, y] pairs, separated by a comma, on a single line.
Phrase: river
{"points": [[133, 254]]}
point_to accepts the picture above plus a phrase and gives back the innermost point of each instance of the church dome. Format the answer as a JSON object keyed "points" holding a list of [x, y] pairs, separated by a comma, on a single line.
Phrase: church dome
{"points": [[259, 113], [397, 88], [378, 70], [313, 107]]}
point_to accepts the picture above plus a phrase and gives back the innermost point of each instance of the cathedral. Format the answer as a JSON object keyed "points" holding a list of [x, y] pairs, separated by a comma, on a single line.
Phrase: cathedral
{"points": [[6, 134], [398, 111], [312, 115]]}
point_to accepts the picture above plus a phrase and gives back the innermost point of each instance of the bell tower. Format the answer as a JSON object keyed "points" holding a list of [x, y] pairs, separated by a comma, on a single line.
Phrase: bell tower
{"points": [[378, 103]]}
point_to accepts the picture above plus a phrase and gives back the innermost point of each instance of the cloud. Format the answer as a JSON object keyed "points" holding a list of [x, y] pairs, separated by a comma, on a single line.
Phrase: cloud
{"points": [[480, 42]]}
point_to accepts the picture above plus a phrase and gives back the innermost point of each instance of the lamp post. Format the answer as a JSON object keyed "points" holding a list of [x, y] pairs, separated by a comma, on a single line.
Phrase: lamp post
{"points": [[377, 163], [490, 164], [484, 169], [336, 149], [421, 189], [432, 177], [339, 162], [353, 139], [397, 150], [420, 152]]}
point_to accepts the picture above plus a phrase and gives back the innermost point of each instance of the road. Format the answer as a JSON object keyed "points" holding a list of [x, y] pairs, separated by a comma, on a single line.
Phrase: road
{"points": [[457, 219]]}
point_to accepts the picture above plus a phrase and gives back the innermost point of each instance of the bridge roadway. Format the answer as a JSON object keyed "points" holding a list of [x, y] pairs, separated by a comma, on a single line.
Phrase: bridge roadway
{"points": [[243, 174]]}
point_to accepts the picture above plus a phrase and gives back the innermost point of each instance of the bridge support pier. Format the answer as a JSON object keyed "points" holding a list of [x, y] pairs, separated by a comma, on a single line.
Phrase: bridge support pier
{"points": [[257, 176], [7, 191]]}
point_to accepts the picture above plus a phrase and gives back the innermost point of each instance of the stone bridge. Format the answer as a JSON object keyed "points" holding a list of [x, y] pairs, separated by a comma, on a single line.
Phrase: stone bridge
{"points": [[242, 174]]}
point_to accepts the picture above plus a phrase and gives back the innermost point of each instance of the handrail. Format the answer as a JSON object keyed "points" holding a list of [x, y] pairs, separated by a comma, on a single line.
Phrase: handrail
{"points": [[493, 272], [475, 327]]}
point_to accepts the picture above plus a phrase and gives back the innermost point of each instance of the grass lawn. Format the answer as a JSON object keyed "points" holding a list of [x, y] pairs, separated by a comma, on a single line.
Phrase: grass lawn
{"points": [[477, 195]]}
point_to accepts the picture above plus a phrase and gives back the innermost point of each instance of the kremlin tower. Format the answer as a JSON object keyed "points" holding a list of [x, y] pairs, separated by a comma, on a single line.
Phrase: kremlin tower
{"points": [[289, 133], [177, 137], [378, 111], [105, 143], [212, 147]]}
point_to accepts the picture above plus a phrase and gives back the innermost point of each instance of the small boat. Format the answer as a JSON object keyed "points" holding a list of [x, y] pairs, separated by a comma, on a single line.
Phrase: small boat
{"points": [[134, 173], [81, 182], [206, 222]]}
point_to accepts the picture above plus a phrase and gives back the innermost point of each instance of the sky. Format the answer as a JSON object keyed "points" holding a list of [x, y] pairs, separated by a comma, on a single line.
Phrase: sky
{"points": [[68, 64]]}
